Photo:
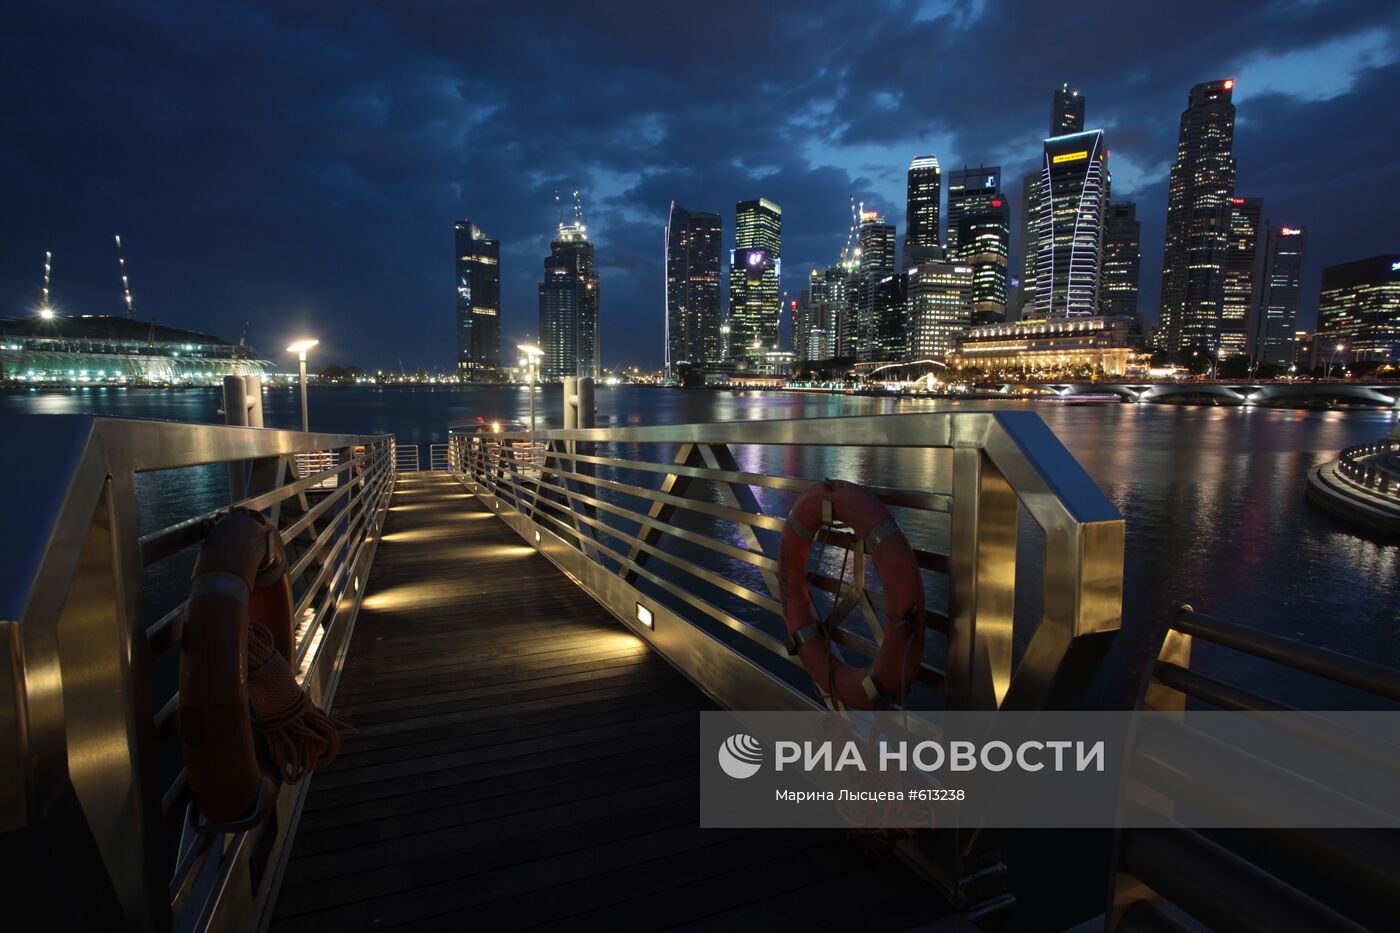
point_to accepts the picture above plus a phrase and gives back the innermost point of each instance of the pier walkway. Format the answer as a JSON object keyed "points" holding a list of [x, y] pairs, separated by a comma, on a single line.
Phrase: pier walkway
{"points": [[523, 760]]}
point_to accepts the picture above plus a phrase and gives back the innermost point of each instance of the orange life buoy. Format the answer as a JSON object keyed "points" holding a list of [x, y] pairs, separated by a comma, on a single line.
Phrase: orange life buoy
{"points": [[245, 723], [902, 647]]}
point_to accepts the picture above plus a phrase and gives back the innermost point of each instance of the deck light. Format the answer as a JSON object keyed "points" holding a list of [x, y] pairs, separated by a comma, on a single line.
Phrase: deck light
{"points": [[537, 537], [644, 616]]}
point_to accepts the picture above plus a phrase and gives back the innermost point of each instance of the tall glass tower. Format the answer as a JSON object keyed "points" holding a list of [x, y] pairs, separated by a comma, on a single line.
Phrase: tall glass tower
{"points": [[1073, 203], [569, 306], [1066, 112], [970, 191], [1122, 263], [755, 270], [1241, 275], [1199, 205], [478, 304], [693, 318], [1273, 318], [922, 212]]}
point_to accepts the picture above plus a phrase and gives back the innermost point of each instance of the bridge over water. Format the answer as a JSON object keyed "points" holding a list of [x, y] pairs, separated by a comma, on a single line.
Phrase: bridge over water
{"points": [[523, 636], [1310, 392]]}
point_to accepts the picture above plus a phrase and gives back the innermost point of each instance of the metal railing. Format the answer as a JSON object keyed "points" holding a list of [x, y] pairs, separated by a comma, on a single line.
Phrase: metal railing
{"points": [[1312, 879], [407, 460], [678, 525], [1361, 465], [89, 727]]}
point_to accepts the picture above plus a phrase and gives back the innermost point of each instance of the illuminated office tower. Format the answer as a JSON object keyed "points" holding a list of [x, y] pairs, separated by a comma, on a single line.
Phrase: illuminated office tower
{"points": [[970, 191], [1273, 318], [1066, 112], [755, 270], [569, 306], [815, 335], [1199, 194], [694, 243], [1360, 309], [889, 337], [1122, 263], [1028, 246], [921, 217], [939, 297], [875, 262], [478, 304], [984, 243], [1069, 237], [1242, 271]]}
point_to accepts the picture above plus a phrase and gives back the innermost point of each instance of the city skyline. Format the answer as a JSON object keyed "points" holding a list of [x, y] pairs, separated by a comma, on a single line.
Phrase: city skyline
{"points": [[333, 223]]}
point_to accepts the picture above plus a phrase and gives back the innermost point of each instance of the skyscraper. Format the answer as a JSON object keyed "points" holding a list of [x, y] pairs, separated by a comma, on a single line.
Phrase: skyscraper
{"points": [[939, 296], [815, 335], [1242, 269], [1028, 244], [1198, 220], [755, 268], [1066, 112], [970, 191], [1122, 262], [478, 304], [921, 217], [984, 242], [1360, 309], [569, 306], [889, 338], [1273, 316], [694, 243], [875, 262], [1069, 239]]}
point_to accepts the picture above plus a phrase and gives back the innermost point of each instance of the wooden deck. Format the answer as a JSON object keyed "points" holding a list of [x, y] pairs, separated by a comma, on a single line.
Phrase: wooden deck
{"points": [[524, 761]]}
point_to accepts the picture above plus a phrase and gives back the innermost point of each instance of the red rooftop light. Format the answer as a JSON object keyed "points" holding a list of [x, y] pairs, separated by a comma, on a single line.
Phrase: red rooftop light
{"points": [[1229, 83]]}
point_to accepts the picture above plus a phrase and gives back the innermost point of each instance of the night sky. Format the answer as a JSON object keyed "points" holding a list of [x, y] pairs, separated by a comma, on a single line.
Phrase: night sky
{"points": [[301, 165]]}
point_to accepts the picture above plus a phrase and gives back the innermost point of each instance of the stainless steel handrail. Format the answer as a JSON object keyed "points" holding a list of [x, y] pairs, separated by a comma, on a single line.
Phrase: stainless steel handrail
{"points": [[91, 735], [665, 528]]}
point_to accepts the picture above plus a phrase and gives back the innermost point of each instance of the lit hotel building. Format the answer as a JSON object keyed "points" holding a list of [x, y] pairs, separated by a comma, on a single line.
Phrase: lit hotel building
{"points": [[1051, 348], [755, 270], [478, 304], [939, 297], [1069, 239], [1360, 309]]}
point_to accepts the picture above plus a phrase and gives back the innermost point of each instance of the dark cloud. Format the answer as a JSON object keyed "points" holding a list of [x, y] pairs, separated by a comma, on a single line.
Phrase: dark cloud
{"points": [[300, 165]]}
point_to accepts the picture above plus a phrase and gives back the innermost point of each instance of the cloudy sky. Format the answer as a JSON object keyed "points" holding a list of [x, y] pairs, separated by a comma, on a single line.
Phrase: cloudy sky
{"points": [[300, 165]]}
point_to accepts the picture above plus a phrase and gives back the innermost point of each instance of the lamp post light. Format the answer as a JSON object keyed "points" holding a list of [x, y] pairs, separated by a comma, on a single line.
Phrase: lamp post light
{"points": [[532, 371], [300, 348]]}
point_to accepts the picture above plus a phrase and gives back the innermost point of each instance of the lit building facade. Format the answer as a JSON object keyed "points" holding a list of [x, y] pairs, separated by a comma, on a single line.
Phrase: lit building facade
{"points": [[1074, 347], [1242, 270], [984, 243], [971, 192], [814, 337], [1122, 263], [1199, 206], [889, 340], [1069, 241], [875, 261], [1273, 319], [925, 189], [694, 245], [1066, 112], [569, 307], [939, 299], [755, 272], [1360, 308], [478, 304]]}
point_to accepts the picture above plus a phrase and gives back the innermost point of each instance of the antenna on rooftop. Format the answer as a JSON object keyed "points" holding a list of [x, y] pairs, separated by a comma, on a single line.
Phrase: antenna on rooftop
{"points": [[45, 308]]}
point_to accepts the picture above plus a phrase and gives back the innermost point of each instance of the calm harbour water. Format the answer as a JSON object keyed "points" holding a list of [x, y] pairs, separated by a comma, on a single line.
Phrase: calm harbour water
{"points": [[1213, 497]]}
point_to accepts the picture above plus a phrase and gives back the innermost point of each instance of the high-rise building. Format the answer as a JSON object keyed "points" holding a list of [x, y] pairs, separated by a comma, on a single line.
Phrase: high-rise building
{"points": [[984, 243], [1242, 270], [1273, 318], [921, 217], [814, 337], [1028, 245], [569, 306], [1359, 309], [847, 332], [1122, 262], [889, 338], [694, 244], [1199, 205], [875, 261], [939, 296], [478, 304], [970, 191], [755, 270], [1066, 112], [1069, 237]]}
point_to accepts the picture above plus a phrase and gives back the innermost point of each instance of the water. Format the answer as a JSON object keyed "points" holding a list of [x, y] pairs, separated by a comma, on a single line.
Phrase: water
{"points": [[1213, 497]]}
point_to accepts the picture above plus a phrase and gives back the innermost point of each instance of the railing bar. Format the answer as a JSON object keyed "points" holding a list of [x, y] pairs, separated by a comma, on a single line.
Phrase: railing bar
{"points": [[1354, 672], [691, 505]]}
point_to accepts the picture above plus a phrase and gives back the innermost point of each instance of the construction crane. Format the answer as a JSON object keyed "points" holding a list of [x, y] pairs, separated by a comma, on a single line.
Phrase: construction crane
{"points": [[126, 283], [243, 338], [850, 253], [578, 213]]}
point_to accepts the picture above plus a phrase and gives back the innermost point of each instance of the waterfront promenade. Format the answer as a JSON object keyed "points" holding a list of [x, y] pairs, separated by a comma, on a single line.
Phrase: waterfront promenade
{"points": [[522, 759]]}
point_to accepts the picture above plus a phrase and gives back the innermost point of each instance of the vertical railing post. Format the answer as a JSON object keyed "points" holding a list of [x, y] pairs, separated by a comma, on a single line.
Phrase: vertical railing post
{"points": [[982, 584], [236, 413]]}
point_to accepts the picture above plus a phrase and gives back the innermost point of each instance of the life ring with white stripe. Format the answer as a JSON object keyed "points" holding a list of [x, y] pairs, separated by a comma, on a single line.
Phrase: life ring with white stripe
{"points": [[887, 680]]}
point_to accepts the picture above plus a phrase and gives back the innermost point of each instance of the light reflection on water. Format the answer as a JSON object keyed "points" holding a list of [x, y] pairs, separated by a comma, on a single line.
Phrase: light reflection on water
{"points": [[1213, 496]]}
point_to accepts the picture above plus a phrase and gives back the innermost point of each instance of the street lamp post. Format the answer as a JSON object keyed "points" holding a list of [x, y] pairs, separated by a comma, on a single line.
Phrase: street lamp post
{"points": [[300, 348], [532, 363]]}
